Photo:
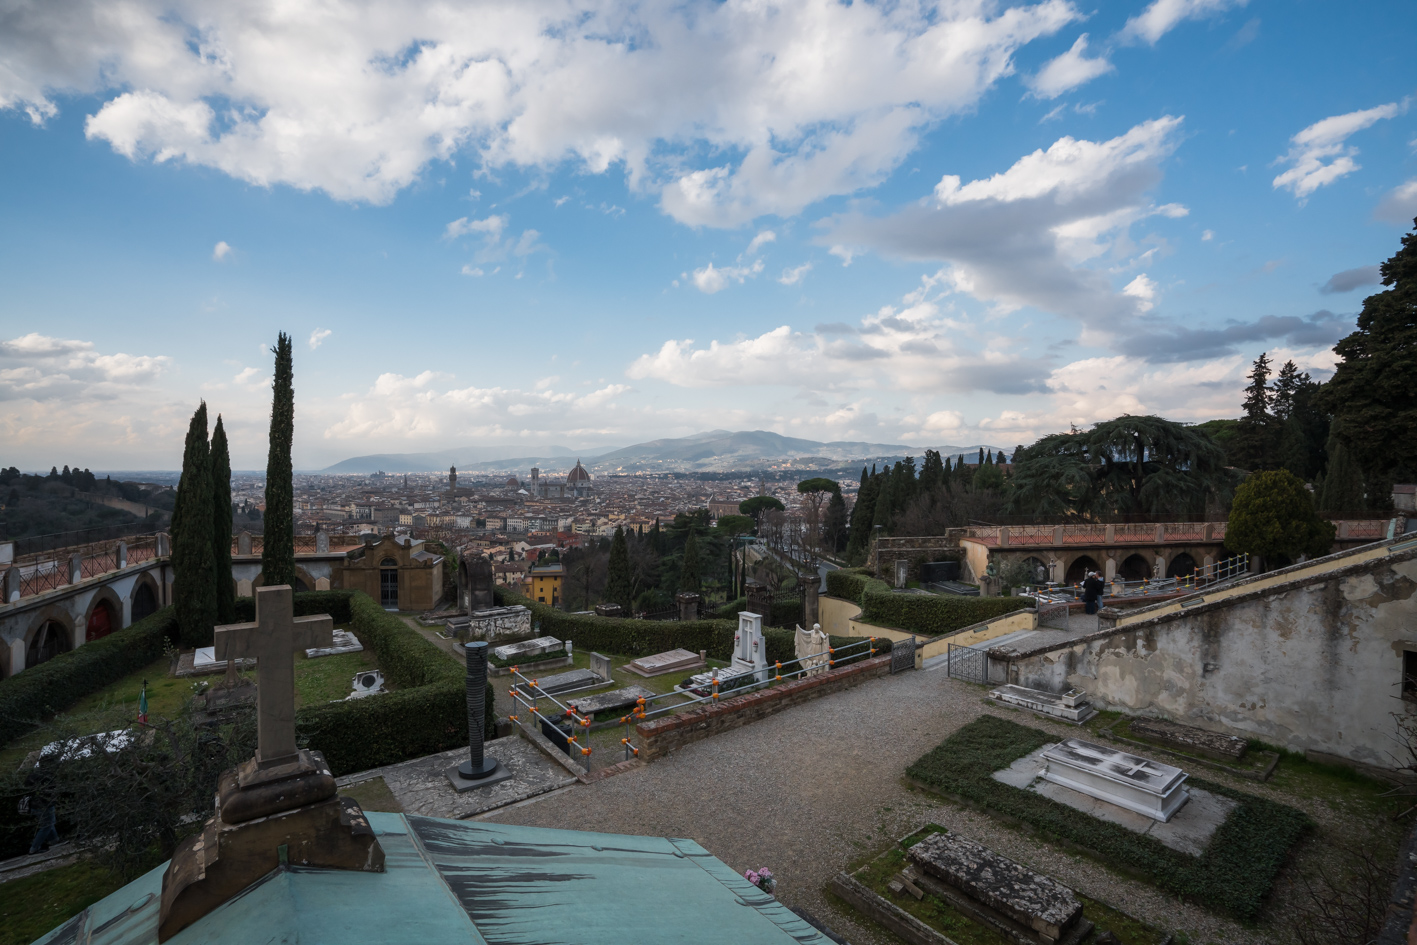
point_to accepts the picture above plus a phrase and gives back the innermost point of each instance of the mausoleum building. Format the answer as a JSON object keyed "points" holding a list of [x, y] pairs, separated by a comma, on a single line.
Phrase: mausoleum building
{"points": [[395, 570]]}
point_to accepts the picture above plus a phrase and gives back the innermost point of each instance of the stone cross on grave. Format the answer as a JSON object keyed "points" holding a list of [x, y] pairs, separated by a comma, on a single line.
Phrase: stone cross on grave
{"points": [[272, 640]]}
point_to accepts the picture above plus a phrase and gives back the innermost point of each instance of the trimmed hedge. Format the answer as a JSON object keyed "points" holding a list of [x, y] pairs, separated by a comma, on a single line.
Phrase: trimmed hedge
{"points": [[925, 614], [627, 637], [306, 603], [1232, 876], [785, 613], [53, 686]]}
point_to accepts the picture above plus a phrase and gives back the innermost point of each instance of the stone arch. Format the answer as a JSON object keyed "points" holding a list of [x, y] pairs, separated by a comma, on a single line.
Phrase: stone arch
{"points": [[51, 632], [1181, 565], [1035, 564], [144, 599], [105, 615], [303, 581], [1134, 567], [1078, 568]]}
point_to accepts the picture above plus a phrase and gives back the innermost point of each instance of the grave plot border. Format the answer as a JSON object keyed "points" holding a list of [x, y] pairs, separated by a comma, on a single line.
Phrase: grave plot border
{"points": [[1261, 774], [1232, 877]]}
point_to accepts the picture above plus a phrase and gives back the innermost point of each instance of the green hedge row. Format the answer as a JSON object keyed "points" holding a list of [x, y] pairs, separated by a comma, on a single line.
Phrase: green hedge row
{"points": [[785, 613], [626, 637], [306, 603], [926, 614], [425, 713], [29, 697], [1232, 876]]}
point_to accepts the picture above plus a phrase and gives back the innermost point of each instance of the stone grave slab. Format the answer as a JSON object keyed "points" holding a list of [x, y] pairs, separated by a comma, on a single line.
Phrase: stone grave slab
{"points": [[527, 648], [344, 642], [1070, 706], [1190, 738], [493, 624], [1040, 904], [203, 662], [670, 661], [1118, 777], [617, 701], [1189, 830], [601, 666], [574, 681]]}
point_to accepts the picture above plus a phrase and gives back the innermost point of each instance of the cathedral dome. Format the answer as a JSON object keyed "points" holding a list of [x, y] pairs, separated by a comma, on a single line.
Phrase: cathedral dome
{"points": [[578, 474]]}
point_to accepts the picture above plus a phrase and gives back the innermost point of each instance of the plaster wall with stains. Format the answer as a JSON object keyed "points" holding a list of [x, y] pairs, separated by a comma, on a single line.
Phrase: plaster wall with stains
{"points": [[1313, 664]]}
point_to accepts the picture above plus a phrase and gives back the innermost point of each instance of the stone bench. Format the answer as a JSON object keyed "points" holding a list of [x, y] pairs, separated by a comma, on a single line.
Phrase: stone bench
{"points": [[1190, 738], [1026, 906]]}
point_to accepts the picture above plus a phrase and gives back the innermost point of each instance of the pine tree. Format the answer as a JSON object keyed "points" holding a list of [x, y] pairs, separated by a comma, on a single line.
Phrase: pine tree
{"points": [[1372, 396], [689, 577], [1287, 384], [278, 546], [619, 584], [999, 460], [932, 473], [1254, 442], [221, 526], [1343, 482], [193, 570]]}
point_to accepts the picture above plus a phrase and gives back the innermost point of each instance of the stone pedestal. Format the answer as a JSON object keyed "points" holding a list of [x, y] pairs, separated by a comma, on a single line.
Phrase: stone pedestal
{"points": [[607, 610], [688, 606]]}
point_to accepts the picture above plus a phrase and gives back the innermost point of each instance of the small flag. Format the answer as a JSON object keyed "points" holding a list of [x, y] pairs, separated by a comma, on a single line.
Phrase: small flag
{"points": [[143, 704]]}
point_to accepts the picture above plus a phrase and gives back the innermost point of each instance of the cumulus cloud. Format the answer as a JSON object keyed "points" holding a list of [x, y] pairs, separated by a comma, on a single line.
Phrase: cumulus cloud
{"points": [[711, 279], [1162, 16], [318, 336], [39, 367], [220, 251], [818, 97], [1350, 279], [795, 275], [1068, 71], [1399, 205], [1319, 155], [491, 227], [759, 241], [1024, 236], [1143, 289]]}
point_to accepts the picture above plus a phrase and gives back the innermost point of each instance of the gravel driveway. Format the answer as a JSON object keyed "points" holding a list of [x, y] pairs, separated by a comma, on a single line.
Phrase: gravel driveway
{"points": [[812, 789]]}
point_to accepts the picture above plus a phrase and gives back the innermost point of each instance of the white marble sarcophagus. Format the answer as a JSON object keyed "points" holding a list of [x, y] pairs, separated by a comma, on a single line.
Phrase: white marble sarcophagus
{"points": [[1131, 782]]}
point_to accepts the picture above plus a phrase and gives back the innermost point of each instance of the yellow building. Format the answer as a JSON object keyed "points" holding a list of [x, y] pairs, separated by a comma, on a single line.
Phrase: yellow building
{"points": [[544, 582]]}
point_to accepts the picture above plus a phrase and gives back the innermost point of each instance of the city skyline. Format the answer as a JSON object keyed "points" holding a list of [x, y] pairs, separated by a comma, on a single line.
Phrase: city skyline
{"points": [[593, 226]]}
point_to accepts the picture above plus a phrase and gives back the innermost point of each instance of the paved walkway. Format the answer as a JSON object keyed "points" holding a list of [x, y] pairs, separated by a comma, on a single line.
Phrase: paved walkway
{"points": [[811, 790]]}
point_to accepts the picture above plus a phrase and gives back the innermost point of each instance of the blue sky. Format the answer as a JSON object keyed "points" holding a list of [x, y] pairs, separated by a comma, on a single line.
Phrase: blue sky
{"points": [[588, 224]]}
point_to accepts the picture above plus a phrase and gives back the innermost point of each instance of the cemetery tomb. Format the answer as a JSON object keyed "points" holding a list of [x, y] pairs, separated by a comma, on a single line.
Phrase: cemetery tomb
{"points": [[367, 683], [520, 651], [670, 661], [600, 665], [750, 651], [574, 681], [1046, 910], [1131, 782], [204, 661], [344, 642], [497, 623], [1071, 706], [1190, 738], [616, 701]]}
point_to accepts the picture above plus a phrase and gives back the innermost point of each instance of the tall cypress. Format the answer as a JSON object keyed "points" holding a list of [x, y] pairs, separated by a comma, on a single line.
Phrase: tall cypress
{"points": [[193, 571], [882, 516], [689, 578], [619, 584], [278, 545], [862, 513], [1343, 482], [221, 526]]}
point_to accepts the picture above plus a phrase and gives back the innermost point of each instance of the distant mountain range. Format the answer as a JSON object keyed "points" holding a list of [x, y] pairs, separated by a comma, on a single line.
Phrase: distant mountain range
{"points": [[713, 451]]}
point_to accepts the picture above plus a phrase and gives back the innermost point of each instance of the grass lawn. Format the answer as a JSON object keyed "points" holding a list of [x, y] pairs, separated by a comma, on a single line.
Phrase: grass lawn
{"points": [[1233, 876], [31, 906], [374, 795], [944, 917]]}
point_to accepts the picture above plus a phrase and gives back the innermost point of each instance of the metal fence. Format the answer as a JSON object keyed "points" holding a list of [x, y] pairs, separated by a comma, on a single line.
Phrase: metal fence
{"points": [[966, 662], [902, 655]]}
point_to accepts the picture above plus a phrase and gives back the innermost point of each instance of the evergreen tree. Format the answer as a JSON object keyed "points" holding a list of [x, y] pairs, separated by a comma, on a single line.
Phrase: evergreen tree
{"points": [[1254, 442], [981, 456], [1000, 458], [1273, 517], [862, 515], [619, 583], [278, 546], [932, 473], [690, 580], [1287, 384], [193, 570], [883, 508], [221, 526], [1343, 482], [834, 522], [1372, 395]]}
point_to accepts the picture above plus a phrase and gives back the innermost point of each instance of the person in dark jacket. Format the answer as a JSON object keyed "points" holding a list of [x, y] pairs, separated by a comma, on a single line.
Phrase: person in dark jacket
{"points": [[1092, 592]]}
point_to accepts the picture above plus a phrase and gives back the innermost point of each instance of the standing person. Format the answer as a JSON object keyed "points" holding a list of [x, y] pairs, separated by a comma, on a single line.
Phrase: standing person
{"points": [[1092, 592]]}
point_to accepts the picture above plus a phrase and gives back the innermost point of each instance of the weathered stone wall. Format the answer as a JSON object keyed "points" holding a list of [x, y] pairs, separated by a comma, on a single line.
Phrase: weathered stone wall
{"points": [[1314, 663], [886, 551], [500, 623], [661, 736]]}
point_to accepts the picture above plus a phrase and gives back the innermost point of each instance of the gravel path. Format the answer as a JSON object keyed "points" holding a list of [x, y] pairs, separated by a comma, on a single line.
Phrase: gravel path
{"points": [[813, 789]]}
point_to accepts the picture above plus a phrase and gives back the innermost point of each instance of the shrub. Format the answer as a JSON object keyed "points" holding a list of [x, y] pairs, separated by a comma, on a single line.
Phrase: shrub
{"points": [[925, 614], [28, 697], [1232, 876]]}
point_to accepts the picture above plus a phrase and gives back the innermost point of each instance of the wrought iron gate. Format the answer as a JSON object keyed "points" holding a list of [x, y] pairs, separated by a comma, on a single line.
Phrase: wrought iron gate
{"points": [[902, 655], [966, 662]]}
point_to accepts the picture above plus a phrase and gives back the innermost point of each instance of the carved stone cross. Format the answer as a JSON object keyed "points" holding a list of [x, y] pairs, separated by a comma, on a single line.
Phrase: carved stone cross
{"points": [[272, 640]]}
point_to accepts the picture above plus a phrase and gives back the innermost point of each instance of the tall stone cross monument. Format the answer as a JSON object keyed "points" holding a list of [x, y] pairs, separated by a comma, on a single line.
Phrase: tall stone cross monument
{"points": [[272, 640]]}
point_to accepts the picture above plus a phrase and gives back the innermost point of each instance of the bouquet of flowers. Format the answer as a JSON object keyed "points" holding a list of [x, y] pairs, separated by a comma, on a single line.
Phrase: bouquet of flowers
{"points": [[763, 879]]}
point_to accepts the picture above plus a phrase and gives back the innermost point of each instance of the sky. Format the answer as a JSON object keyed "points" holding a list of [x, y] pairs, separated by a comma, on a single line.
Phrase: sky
{"points": [[589, 224]]}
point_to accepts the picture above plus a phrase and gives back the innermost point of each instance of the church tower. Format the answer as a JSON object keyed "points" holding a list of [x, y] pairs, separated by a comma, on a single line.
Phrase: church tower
{"points": [[452, 480]]}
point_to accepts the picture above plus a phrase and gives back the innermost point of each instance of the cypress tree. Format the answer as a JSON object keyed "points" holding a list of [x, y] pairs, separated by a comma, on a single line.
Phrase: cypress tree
{"points": [[278, 546], [221, 526], [619, 585], [862, 514], [689, 577], [882, 516], [1343, 482], [193, 571]]}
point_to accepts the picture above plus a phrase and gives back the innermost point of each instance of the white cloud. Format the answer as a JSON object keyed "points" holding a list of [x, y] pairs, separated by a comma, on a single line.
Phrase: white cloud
{"points": [[1026, 236], [1318, 155], [844, 253], [1143, 289], [471, 270], [357, 99], [220, 251], [252, 378], [491, 227], [1399, 205], [759, 241], [1207, 236], [1162, 16], [794, 276], [318, 336], [1068, 71], [711, 279]]}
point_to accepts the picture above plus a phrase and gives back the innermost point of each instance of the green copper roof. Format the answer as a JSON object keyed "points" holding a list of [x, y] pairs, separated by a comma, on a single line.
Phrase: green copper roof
{"points": [[472, 883]]}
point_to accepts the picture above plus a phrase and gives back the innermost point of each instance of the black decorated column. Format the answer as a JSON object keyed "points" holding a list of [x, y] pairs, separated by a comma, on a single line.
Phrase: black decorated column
{"points": [[477, 766]]}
